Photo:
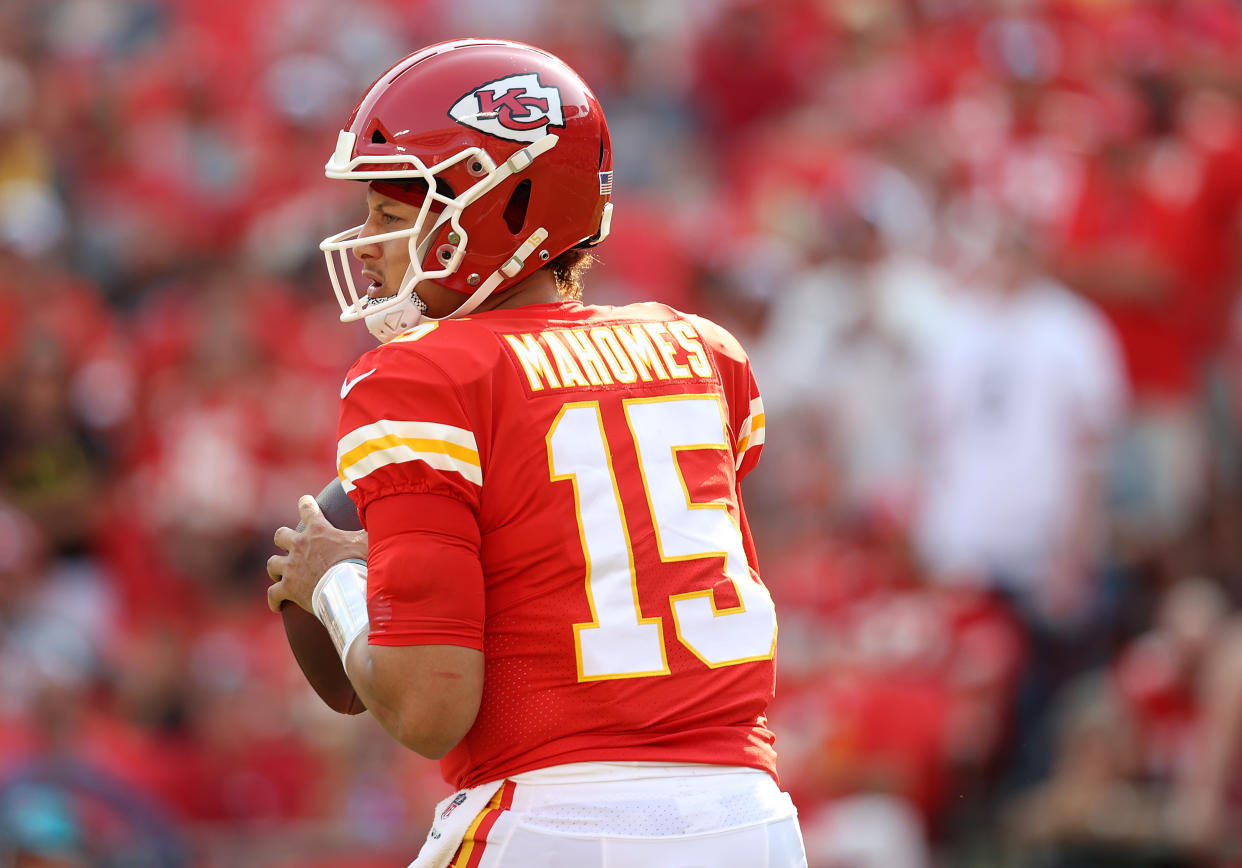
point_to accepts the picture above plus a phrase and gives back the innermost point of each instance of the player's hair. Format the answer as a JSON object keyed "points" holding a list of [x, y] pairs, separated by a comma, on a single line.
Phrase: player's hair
{"points": [[569, 268]]}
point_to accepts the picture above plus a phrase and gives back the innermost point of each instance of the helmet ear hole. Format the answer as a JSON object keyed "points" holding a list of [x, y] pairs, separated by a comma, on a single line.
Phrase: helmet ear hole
{"points": [[515, 211]]}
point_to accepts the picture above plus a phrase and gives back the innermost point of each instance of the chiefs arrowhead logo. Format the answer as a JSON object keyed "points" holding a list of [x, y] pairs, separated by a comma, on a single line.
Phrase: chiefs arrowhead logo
{"points": [[517, 108]]}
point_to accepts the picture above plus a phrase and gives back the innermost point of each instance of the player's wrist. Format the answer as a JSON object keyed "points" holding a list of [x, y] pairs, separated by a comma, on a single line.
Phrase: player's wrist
{"points": [[339, 601]]}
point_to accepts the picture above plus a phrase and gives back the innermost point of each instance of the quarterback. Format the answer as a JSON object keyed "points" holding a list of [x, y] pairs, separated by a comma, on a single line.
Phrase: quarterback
{"points": [[556, 594]]}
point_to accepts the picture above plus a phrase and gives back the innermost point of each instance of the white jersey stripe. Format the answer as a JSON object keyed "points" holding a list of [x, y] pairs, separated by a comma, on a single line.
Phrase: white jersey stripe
{"points": [[752, 433], [385, 442]]}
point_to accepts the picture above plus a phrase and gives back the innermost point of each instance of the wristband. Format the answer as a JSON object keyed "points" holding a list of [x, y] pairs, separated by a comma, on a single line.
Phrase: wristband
{"points": [[339, 601]]}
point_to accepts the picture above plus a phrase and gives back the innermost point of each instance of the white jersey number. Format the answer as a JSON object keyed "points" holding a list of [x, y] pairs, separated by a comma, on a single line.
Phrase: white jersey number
{"points": [[619, 642]]}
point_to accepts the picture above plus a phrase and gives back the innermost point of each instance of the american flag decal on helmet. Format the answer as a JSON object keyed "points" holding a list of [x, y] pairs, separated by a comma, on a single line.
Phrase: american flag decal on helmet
{"points": [[605, 183]]}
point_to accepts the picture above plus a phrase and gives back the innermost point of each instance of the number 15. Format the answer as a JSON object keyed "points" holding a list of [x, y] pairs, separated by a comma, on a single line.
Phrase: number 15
{"points": [[618, 642]]}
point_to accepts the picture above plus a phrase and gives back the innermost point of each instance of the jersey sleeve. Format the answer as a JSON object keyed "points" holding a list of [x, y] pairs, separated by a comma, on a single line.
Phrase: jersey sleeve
{"points": [[741, 393], [408, 457], [751, 427], [425, 578], [405, 429]]}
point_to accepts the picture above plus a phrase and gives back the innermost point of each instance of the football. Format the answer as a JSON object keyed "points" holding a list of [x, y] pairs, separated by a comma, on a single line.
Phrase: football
{"points": [[309, 640]]}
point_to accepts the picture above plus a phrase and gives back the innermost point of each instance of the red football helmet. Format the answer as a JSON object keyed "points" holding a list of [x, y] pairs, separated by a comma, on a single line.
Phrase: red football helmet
{"points": [[502, 147]]}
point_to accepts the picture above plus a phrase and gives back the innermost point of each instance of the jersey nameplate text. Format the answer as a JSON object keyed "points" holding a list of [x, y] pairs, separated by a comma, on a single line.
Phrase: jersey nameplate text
{"points": [[616, 354]]}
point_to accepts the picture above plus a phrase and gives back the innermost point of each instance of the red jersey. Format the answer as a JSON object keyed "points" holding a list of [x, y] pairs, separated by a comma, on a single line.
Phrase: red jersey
{"points": [[600, 450]]}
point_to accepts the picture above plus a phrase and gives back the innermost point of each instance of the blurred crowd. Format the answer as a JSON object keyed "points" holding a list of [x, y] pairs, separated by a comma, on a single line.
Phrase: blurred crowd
{"points": [[984, 254]]}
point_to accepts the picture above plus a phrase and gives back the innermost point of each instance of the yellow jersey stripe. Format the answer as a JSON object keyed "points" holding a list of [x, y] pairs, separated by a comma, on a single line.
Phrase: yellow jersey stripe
{"points": [[414, 444], [752, 433], [404, 428], [387, 442]]}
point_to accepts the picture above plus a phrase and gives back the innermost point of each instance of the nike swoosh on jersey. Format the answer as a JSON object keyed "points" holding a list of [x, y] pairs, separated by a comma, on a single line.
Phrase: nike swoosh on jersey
{"points": [[349, 384]]}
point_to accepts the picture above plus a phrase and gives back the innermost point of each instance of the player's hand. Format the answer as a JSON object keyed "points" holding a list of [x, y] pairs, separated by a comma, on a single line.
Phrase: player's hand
{"points": [[311, 548]]}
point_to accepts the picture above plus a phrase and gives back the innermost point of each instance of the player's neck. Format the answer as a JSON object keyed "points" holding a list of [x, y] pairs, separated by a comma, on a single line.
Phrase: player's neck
{"points": [[537, 288]]}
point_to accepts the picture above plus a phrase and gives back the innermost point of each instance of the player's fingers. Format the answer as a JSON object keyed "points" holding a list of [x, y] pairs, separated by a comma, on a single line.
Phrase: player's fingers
{"points": [[276, 567], [284, 537], [308, 508], [276, 596]]}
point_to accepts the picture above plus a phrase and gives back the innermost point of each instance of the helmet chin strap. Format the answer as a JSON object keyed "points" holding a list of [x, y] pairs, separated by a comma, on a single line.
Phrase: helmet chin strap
{"points": [[396, 321], [388, 324]]}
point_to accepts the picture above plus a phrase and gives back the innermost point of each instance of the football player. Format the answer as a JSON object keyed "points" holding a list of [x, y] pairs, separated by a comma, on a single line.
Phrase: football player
{"points": [[557, 595]]}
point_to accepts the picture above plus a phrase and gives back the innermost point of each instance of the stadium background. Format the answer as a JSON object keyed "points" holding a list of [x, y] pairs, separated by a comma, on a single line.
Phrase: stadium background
{"points": [[984, 254]]}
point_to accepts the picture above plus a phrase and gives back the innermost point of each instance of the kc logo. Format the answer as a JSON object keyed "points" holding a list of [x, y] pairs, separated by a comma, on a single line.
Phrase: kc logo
{"points": [[518, 108]]}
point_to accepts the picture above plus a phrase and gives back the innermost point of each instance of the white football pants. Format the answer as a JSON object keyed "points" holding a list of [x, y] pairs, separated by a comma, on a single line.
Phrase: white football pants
{"points": [[635, 815]]}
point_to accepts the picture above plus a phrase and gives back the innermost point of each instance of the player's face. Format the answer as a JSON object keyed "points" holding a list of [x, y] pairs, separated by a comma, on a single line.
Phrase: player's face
{"points": [[384, 263]]}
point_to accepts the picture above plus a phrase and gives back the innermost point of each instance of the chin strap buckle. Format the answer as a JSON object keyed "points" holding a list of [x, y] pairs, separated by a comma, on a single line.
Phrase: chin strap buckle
{"points": [[513, 265], [520, 161]]}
